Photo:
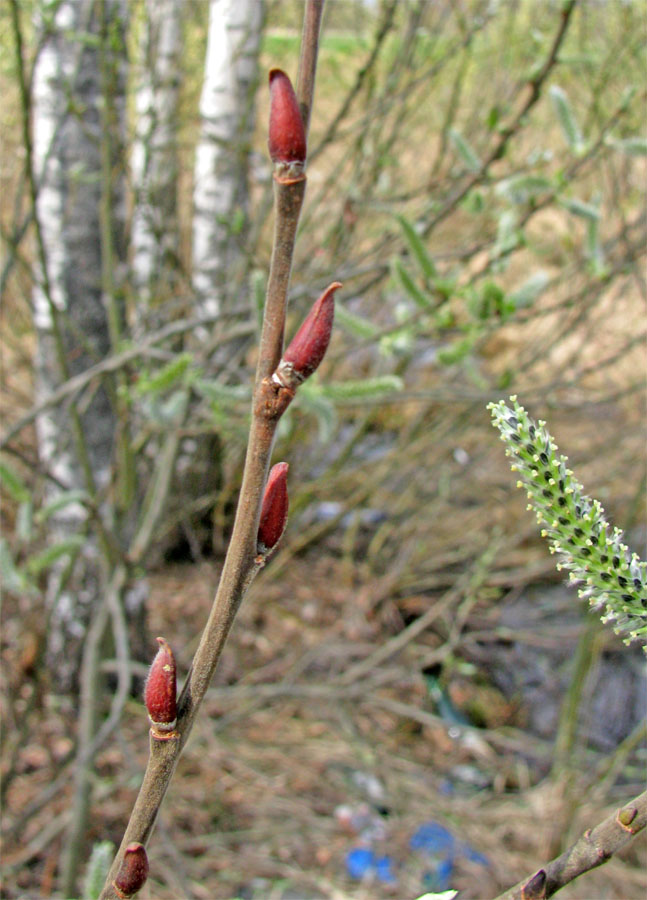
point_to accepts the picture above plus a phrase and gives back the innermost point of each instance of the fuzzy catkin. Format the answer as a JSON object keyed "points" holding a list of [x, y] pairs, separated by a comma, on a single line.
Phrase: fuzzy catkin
{"points": [[612, 579]]}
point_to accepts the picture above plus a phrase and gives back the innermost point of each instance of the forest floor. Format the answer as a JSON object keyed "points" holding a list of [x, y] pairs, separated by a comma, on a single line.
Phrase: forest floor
{"points": [[310, 777]]}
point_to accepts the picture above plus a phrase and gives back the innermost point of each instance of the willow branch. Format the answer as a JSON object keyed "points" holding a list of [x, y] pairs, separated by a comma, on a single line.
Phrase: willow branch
{"points": [[242, 561], [595, 847], [308, 58]]}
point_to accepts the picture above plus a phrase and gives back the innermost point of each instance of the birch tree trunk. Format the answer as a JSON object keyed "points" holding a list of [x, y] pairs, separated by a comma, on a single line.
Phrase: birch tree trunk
{"points": [[76, 311], [154, 161], [222, 155]]}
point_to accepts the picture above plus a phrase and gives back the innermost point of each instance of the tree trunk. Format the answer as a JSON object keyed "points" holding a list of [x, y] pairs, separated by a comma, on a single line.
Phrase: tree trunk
{"points": [[155, 237], [76, 311], [222, 155]]}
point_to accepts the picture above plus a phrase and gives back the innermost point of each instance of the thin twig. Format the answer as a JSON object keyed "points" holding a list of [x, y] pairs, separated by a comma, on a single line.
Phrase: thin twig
{"points": [[77, 382], [595, 847], [241, 561], [308, 59]]}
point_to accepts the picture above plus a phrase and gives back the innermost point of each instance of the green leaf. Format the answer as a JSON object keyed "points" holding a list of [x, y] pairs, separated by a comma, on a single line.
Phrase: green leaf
{"points": [[167, 376], [457, 351], [485, 303], [417, 248], [445, 287], [400, 340], [522, 188], [493, 117], [173, 408], [363, 389], [25, 521], [474, 202], [419, 297], [580, 208], [41, 561], [465, 152], [355, 325], [60, 502], [12, 578], [228, 395], [527, 293], [508, 236], [593, 246], [97, 869], [566, 118], [445, 318], [444, 895], [634, 146], [237, 221], [14, 484]]}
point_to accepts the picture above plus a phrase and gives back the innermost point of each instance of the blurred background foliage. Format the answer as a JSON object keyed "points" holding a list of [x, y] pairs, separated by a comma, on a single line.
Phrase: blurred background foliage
{"points": [[483, 202]]}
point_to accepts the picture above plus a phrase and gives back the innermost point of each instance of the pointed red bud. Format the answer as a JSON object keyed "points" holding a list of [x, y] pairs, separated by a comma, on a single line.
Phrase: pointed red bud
{"points": [[308, 346], [133, 872], [160, 691], [287, 136], [274, 510]]}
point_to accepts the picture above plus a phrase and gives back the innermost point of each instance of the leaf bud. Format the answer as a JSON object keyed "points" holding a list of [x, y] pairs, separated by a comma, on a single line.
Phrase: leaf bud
{"points": [[308, 346], [133, 871], [274, 509], [160, 691], [535, 887], [287, 136]]}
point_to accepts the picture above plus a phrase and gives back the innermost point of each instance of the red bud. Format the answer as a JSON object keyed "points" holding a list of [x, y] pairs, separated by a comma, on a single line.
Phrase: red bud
{"points": [[274, 511], [133, 872], [308, 346], [287, 136], [160, 690]]}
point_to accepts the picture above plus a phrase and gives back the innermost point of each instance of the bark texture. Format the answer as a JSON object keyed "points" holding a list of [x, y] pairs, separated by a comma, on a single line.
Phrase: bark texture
{"points": [[69, 299], [222, 154], [155, 236]]}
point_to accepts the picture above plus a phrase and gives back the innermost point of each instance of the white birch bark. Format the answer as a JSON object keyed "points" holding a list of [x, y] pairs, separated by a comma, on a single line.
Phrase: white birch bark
{"points": [[154, 159], [221, 163], [67, 126]]}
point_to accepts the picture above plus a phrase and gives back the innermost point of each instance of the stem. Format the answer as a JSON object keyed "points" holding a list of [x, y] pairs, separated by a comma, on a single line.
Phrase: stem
{"points": [[593, 848], [242, 561], [308, 58], [288, 199], [83, 774], [535, 86]]}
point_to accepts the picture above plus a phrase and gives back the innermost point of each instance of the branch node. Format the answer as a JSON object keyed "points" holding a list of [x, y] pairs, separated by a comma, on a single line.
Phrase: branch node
{"points": [[158, 734], [273, 399]]}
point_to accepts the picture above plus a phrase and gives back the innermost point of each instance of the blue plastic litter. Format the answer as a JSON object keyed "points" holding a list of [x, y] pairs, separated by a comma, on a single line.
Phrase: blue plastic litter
{"points": [[384, 871], [443, 874], [433, 840], [362, 862], [432, 837], [474, 855], [359, 861]]}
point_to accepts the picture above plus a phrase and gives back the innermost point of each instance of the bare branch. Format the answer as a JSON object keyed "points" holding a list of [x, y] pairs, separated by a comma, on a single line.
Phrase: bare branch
{"points": [[243, 560], [594, 847]]}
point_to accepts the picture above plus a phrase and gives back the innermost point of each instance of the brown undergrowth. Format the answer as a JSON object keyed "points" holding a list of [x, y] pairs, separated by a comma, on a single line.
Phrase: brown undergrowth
{"points": [[284, 742]]}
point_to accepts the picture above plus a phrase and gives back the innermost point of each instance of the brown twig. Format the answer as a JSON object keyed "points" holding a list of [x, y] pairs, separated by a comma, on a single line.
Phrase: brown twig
{"points": [[592, 849], [242, 561], [535, 86], [308, 59]]}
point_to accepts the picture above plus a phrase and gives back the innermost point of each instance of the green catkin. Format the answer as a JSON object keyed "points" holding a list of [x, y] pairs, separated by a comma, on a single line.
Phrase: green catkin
{"points": [[612, 579]]}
